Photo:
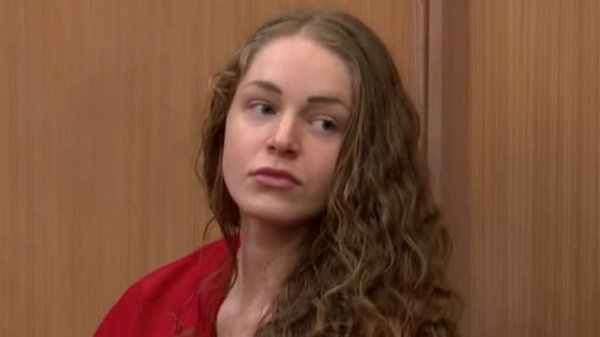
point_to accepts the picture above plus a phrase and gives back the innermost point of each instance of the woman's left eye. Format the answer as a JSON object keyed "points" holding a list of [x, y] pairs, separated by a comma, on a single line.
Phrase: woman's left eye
{"points": [[325, 124], [262, 108]]}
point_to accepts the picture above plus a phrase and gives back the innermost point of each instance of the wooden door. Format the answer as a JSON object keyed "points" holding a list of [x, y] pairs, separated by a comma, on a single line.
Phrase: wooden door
{"points": [[99, 125], [520, 163]]}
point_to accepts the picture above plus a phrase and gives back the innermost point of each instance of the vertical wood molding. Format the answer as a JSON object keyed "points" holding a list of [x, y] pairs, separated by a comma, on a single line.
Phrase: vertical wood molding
{"points": [[434, 78], [449, 135]]}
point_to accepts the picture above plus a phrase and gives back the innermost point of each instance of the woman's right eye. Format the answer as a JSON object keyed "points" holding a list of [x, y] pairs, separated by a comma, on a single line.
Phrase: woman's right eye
{"points": [[262, 108]]}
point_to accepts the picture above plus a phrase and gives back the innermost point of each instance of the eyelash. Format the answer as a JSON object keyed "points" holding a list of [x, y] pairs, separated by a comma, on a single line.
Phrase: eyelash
{"points": [[259, 104], [333, 125]]}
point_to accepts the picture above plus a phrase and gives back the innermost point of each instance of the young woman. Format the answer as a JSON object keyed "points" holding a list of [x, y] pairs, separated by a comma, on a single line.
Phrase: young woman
{"points": [[312, 170]]}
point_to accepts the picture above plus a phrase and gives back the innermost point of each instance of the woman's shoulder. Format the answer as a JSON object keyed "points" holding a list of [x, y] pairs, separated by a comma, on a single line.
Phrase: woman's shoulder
{"points": [[191, 267], [163, 295]]}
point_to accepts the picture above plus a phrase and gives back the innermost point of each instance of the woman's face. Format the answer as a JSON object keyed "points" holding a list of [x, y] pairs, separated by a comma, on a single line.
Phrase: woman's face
{"points": [[284, 131]]}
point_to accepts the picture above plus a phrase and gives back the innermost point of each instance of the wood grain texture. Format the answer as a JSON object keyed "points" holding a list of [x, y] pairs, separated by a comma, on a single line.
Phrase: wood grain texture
{"points": [[100, 109], [529, 135]]}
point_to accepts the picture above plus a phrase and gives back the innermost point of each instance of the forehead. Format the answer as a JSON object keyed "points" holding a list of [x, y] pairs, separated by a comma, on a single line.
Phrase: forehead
{"points": [[301, 66]]}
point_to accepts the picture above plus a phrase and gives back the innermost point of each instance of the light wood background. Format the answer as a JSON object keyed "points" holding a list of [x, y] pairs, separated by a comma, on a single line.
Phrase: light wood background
{"points": [[520, 160], [99, 119], [100, 105]]}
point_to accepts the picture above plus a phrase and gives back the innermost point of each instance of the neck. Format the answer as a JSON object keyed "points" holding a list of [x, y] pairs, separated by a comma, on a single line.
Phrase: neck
{"points": [[267, 254]]}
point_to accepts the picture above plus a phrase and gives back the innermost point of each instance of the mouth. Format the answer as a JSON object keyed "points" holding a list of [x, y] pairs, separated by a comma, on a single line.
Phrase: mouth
{"points": [[275, 178]]}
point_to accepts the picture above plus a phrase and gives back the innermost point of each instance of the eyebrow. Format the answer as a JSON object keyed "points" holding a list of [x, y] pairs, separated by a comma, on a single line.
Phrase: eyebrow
{"points": [[327, 100], [269, 86], [266, 85]]}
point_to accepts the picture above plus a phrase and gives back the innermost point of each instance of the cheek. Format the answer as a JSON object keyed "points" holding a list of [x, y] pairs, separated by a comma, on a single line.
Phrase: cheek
{"points": [[323, 165], [238, 147], [231, 150]]}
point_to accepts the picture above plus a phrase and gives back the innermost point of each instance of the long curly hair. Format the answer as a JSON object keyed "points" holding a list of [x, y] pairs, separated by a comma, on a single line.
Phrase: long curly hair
{"points": [[375, 264]]}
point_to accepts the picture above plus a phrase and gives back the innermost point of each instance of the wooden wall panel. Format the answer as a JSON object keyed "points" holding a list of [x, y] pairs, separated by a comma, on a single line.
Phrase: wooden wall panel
{"points": [[99, 118], [521, 134]]}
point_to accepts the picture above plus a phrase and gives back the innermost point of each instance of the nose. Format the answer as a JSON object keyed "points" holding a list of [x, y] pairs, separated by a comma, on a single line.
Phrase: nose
{"points": [[284, 140]]}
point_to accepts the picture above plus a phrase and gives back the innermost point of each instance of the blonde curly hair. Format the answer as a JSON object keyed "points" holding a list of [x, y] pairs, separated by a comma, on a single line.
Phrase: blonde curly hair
{"points": [[375, 263]]}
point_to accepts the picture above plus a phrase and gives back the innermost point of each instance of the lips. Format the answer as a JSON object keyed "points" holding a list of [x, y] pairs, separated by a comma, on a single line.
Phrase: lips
{"points": [[275, 178]]}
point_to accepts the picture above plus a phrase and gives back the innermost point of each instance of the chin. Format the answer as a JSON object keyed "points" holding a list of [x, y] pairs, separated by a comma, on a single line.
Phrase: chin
{"points": [[290, 219], [284, 215]]}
